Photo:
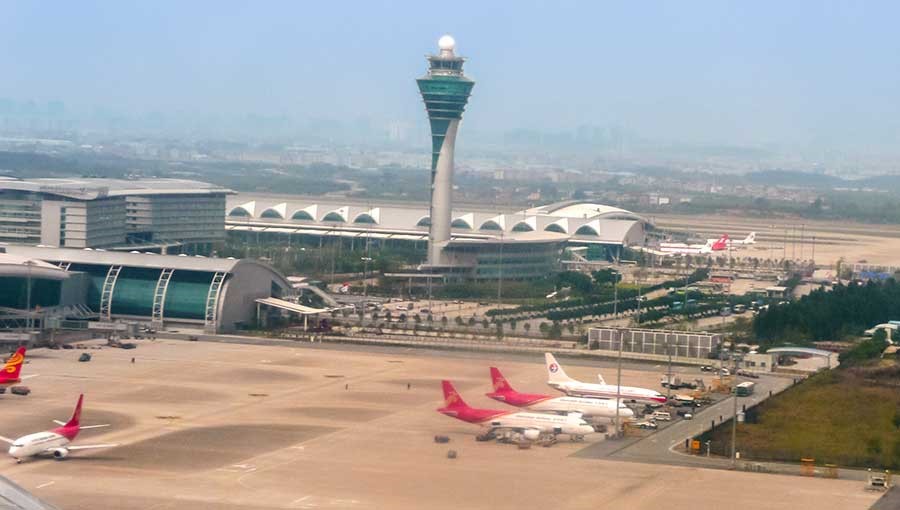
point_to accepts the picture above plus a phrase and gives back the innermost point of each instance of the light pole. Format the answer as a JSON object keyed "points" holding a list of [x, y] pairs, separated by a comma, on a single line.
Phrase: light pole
{"points": [[28, 320], [618, 334], [734, 410]]}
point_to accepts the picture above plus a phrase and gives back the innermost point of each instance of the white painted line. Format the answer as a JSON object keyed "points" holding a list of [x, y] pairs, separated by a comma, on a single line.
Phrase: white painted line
{"points": [[41, 486]]}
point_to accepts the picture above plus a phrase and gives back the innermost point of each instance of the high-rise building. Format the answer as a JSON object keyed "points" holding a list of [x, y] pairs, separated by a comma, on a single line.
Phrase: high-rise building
{"points": [[445, 91]]}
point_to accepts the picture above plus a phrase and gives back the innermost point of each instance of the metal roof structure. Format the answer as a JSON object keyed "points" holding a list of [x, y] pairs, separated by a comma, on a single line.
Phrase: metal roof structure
{"points": [[95, 188], [13, 497], [144, 260]]}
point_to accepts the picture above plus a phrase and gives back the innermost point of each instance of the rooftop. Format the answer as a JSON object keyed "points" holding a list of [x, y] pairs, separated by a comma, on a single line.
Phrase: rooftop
{"points": [[94, 188]]}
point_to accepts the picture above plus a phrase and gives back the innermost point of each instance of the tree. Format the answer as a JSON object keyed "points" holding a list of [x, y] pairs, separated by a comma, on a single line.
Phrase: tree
{"points": [[526, 327], [555, 331], [513, 324], [485, 323], [444, 320]]}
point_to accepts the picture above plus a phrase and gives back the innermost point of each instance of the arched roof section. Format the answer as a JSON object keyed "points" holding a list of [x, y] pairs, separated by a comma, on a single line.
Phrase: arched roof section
{"points": [[338, 215], [589, 229], [278, 211], [527, 225], [560, 226], [496, 223], [465, 221], [424, 221], [307, 213], [245, 209], [372, 216], [590, 210]]}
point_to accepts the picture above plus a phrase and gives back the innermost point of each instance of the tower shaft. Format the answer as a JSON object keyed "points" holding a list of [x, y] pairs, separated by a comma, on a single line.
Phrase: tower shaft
{"points": [[445, 91]]}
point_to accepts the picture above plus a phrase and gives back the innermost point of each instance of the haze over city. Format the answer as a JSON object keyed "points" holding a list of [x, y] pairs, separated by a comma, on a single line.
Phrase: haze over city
{"points": [[796, 75]]}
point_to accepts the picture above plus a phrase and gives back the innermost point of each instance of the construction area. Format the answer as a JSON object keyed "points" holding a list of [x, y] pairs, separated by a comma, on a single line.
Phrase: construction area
{"points": [[218, 425]]}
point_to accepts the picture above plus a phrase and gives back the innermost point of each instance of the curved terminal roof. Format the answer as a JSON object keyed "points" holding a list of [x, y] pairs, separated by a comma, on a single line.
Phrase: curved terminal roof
{"points": [[118, 258], [23, 266], [585, 210], [93, 188], [800, 350]]}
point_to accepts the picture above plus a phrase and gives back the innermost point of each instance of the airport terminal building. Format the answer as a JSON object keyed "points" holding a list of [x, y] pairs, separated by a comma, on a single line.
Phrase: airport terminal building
{"points": [[162, 215], [215, 294]]}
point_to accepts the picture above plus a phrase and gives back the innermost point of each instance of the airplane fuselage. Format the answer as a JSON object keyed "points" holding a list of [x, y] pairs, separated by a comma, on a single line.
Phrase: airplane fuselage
{"points": [[626, 393], [35, 444]]}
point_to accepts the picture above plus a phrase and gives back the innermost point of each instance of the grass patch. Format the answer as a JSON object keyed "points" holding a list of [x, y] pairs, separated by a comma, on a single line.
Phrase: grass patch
{"points": [[849, 417]]}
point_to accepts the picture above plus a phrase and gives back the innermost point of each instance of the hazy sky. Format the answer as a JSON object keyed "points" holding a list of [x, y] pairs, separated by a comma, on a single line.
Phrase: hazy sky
{"points": [[736, 72]]}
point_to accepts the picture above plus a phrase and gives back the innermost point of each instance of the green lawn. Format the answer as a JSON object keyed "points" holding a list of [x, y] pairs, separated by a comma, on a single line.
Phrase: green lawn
{"points": [[848, 417]]}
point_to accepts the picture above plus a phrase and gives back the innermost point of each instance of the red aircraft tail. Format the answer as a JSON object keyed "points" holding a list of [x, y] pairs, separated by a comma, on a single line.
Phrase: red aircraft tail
{"points": [[452, 400], [75, 420], [501, 385], [12, 368], [721, 244]]}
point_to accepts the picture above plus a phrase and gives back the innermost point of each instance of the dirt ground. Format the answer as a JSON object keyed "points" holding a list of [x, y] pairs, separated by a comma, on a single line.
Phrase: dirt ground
{"points": [[798, 239], [239, 427]]}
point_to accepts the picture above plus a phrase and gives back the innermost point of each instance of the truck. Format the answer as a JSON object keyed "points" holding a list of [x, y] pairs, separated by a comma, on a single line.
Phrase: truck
{"points": [[676, 383]]}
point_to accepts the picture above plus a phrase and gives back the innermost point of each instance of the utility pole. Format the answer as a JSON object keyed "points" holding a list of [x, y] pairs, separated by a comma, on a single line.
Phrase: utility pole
{"points": [[734, 410], [500, 274], [29, 323], [669, 376], [618, 336]]}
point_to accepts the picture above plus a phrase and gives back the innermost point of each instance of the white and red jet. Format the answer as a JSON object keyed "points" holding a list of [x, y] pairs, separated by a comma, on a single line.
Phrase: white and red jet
{"points": [[558, 379], [593, 409], [53, 442], [532, 426], [711, 245]]}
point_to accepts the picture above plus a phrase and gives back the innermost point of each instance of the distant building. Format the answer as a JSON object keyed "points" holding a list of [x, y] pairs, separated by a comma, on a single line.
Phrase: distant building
{"points": [[141, 214]]}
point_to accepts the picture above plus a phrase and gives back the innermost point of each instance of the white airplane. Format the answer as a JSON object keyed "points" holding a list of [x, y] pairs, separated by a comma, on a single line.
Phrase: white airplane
{"points": [[589, 408], [54, 442], [558, 379], [747, 241], [711, 245], [531, 425]]}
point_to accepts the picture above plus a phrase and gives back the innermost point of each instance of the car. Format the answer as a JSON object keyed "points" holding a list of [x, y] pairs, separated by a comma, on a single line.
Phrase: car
{"points": [[84, 357], [747, 373], [661, 416], [687, 415], [707, 368], [20, 390], [725, 372], [647, 425]]}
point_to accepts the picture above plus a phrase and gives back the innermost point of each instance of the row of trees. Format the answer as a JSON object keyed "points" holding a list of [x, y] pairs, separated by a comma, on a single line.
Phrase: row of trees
{"points": [[830, 315]]}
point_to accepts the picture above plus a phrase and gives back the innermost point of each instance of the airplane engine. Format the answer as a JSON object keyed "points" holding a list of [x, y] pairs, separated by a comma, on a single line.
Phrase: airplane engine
{"points": [[60, 453], [532, 434]]}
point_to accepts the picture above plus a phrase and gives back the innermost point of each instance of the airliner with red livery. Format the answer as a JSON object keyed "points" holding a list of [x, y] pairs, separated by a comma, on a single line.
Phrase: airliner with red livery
{"points": [[590, 408], [711, 245], [53, 442], [531, 425], [558, 379], [10, 374]]}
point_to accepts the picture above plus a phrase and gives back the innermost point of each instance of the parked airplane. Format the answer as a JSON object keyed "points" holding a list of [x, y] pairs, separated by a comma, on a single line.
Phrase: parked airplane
{"points": [[54, 442], [596, 408], [10, 373], [558, 379], [695, 249], [531, 425], [733, 243]]}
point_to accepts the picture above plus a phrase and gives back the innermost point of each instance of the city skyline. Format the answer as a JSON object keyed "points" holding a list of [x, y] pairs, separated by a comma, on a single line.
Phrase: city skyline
{"points": [[793, 76]]}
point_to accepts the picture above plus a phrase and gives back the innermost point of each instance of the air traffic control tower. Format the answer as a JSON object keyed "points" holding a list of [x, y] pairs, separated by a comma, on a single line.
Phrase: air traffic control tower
{"points": [[445, 91]]}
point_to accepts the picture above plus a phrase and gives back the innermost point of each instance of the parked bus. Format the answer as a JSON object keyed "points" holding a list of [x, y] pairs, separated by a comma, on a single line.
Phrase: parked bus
{"points": [[745, 389]]}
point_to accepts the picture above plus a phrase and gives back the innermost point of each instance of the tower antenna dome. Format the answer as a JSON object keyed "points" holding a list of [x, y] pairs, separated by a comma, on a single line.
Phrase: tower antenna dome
{"points": [[447, 43]]}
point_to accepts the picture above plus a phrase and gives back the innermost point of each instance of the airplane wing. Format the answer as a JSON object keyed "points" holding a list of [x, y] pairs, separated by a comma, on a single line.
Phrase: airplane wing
{"points": [[91, 446], [6, 440], [60, 423], [29, 376]]}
